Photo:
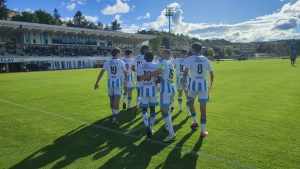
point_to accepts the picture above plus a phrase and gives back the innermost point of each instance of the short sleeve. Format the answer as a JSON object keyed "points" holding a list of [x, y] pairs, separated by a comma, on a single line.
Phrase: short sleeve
{"points": [[187, 63], [123, 67], [105, 65], [209, 68]]}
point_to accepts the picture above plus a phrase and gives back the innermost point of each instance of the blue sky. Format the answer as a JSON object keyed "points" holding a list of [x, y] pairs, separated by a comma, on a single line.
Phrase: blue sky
{"points": [[234, 20]]}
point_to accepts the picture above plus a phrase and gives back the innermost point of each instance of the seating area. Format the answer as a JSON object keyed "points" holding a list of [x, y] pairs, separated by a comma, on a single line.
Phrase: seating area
{"points": [[8, 49], [64, 51], [12, 50]]}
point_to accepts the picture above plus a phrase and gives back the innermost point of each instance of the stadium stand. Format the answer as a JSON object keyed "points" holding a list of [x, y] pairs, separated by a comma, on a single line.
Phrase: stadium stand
{"points": [[48, 47]]}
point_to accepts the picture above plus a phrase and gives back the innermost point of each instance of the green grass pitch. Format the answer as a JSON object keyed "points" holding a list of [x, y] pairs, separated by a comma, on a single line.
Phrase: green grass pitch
{"points": [[56, 120]]}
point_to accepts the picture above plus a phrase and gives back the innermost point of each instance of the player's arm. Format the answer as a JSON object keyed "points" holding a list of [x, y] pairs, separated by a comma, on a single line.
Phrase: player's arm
{"points": [[99, 78], [185, 74], [153, 74], [211, 74], [125, 77]]}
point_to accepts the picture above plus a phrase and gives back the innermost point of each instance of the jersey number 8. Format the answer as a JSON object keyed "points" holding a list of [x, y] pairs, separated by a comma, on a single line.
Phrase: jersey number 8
{"points": [[200, 69]]}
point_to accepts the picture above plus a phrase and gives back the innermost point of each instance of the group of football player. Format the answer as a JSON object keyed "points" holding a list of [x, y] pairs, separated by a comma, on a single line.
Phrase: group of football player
{"points": [[155, 84]]}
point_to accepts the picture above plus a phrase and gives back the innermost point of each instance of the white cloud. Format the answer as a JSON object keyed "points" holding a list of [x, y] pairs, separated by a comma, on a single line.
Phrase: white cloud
{"points": [[138, 18], [278, 25], [63, 4], [131, 29], [145, 17], [66, 19], [281, 0], [132, 7], [27, 9], [15, 9], [71, 6], [118, 18], [91, 18], [81, 2], [119, 7], [98, 0], [162, 19]]}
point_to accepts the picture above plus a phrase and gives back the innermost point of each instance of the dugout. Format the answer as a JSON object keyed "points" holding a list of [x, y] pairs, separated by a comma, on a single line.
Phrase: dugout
{"points": [[13, 67], [38, 65]]}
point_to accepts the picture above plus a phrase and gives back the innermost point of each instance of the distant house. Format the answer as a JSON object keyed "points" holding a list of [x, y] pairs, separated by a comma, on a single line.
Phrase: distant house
{"points": [[180, 44], [12, 13]]}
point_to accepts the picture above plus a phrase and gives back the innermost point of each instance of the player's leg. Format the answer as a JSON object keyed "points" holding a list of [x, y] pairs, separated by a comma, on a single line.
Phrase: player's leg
{"points": [[180, 89], [192, 95], [129, 94], [144, 104], [111, 99], [153, 103], [125, 97], [203, 99], [117, 96], [138, 98], [187, 104], [165, 101], [130, 87]]}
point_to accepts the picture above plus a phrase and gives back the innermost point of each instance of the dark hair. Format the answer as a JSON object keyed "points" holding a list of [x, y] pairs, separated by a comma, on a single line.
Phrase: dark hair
{"points": [[197, 47], [128, 52], [143, 48], [167, 51], [114, 51], [163, 47], [149, 56], [183, 51]]}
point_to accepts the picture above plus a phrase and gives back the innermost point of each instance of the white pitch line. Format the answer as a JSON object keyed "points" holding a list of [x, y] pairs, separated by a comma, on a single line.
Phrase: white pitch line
{"points": [[186, 150]]}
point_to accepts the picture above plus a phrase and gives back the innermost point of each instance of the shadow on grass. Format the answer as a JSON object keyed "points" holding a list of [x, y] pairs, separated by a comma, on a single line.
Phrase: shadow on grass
{"points": [[107, 149]]}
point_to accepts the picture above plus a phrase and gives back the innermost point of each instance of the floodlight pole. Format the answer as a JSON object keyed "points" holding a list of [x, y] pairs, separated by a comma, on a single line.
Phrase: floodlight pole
{"points": [[169, 13]]}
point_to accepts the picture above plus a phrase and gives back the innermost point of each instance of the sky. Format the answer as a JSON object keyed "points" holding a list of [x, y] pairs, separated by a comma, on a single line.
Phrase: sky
{"points": [[233, 20]]}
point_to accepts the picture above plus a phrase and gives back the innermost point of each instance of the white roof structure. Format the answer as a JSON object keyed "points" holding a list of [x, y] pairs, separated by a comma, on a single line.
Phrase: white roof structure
{"points": [[8, 28]]}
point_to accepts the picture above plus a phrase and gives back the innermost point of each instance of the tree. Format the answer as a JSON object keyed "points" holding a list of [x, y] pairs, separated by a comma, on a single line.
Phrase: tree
{"points": [[45, 18], [229, 50], [107, 27], [26, 16], [56, 14], [206, 53], [79, 20], [115, 26], [39, 16], [3, 10], [211, 52], [99, 25]]}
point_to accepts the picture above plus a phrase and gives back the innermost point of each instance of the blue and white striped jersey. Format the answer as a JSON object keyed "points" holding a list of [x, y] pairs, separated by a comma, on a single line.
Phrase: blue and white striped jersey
{"points": [[128, 63], [139, 59], [148, 88], [198, 67], [179, 66], [115, 69], [167, 77]]}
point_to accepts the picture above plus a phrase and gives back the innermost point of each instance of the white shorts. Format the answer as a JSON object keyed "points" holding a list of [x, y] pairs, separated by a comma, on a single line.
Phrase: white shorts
{"points": [[138, 85], [180, 88], [115, 92], [166, 99], [149, 101], [129, 86], [202, 96]]}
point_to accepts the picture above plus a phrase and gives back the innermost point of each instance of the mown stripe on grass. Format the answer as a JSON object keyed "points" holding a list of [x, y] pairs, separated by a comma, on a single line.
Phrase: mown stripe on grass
{"points": [[183, 149]]}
